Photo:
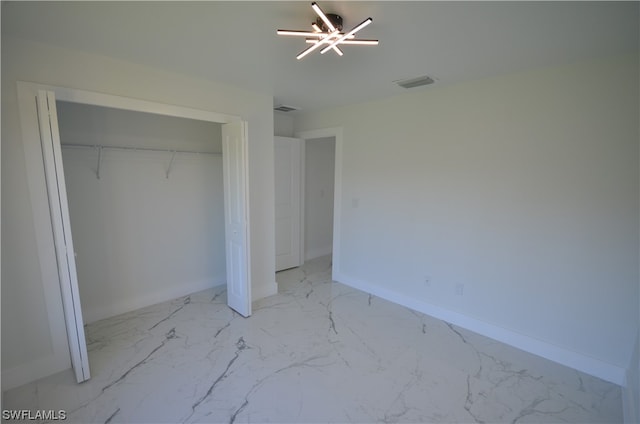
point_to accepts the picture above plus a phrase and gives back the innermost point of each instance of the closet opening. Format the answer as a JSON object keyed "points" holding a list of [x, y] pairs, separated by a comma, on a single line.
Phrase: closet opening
{"points": [[146, 205], [119, 174]]}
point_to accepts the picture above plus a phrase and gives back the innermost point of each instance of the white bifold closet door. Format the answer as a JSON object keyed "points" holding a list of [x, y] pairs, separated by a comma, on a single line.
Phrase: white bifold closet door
{"points": [[235, 174], [59, 208]]}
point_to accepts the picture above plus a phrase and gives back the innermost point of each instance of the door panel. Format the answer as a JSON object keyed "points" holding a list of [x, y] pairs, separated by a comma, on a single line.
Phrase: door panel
{"points": [[59, 208], [234, 154], [287, 177]]}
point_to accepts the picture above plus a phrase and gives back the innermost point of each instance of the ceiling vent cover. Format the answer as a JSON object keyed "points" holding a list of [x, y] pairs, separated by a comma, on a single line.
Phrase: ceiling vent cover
{"points": [[415, 82], [285, 108]]}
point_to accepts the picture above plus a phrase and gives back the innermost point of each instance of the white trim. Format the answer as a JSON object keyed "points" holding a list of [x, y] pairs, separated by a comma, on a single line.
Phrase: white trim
{"points": [[335, 132], [126, 103], [131, 304], [575, 360]]}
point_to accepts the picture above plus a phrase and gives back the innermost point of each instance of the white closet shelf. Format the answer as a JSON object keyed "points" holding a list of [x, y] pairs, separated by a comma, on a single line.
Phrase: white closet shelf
{"points": [[143, 149], [99, 148]]}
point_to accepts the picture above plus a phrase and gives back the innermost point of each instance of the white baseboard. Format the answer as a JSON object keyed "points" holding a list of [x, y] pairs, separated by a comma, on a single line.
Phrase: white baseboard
{"points": [[316, 253], [33, 370], [95, 314], [584, 363]]}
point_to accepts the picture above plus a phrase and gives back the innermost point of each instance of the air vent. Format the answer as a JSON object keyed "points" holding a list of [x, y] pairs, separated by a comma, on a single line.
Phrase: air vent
{"points": [[285, 108], [415, 82]]}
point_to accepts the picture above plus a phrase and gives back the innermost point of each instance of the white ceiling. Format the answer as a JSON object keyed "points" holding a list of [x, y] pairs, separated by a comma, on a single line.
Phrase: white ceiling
{"points": [[235, 42]]}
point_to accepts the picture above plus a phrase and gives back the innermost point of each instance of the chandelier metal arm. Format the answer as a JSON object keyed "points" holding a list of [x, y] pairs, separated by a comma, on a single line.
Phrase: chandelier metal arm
{"points": [[300, 33], [327, 38], [359, 41], [344, 37], [322, 16], [327, 22]]}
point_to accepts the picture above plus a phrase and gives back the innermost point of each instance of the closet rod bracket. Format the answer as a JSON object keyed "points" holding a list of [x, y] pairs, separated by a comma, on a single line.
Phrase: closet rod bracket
{"points": [[173, 156], [99, 161]]}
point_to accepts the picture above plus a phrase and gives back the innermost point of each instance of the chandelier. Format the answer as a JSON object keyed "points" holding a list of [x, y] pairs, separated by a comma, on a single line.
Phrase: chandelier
{"points": [[327, 34]]}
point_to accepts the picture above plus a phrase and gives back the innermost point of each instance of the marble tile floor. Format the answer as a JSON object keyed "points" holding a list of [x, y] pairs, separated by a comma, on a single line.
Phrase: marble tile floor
{"points": [[317, 352]]}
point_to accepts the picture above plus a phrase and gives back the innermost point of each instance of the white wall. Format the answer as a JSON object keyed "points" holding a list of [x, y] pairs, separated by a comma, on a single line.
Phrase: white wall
{"points": [[282, 124], [140, 237], [523, 188], [31, 321], [319, 188], [96, 125]]}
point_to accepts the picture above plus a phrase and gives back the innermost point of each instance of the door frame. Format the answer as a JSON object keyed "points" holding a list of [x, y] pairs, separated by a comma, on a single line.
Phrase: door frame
{"points": [[336, 133], [43, 227]]}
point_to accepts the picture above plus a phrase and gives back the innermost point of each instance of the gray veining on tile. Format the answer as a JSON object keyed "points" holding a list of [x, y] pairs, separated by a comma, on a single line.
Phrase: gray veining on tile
{"points": [[318, 351]]}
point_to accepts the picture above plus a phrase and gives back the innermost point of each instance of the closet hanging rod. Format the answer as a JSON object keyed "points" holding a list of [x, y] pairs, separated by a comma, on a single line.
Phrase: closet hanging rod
{"points": [[143, 149]]}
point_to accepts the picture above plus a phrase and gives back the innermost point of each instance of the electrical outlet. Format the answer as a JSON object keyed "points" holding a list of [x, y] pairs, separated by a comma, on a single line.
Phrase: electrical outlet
{"points": [[460, 289]]}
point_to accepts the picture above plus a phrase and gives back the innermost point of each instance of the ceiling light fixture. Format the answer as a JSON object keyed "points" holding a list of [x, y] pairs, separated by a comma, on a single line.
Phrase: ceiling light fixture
{"points": [[327, 33]]}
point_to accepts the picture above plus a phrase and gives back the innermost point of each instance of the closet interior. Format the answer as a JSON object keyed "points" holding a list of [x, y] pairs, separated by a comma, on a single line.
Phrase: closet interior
{"points": [[146, 202]]}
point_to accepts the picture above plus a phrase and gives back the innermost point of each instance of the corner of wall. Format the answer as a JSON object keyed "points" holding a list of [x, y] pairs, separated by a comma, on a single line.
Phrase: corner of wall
{"points": [[631, 388], [264, 290], [33, 370], [282, 124], [133, 303]]}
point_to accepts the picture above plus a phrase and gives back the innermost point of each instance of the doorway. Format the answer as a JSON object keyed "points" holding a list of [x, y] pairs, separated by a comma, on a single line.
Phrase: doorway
{"points": [[336, 134], [304, 199], [328, 192], [319, 166]]}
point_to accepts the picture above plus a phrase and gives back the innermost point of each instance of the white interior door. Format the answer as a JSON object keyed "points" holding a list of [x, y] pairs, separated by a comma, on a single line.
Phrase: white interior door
{"points": [[234, 159], [59, 208], [288, 175]]}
